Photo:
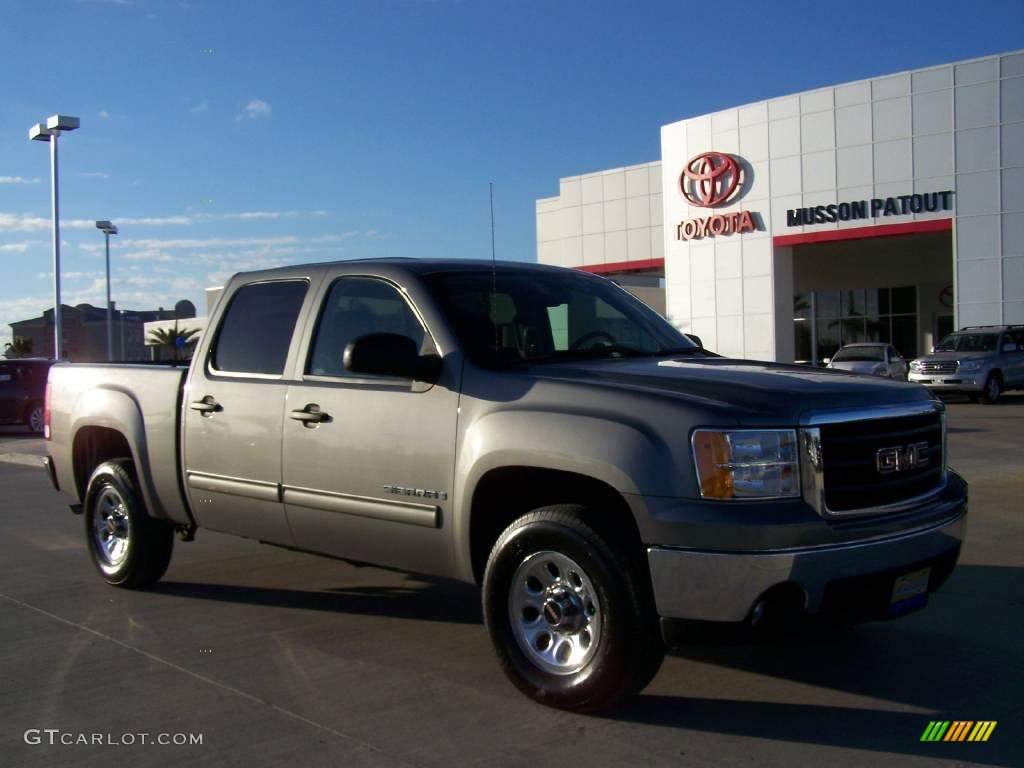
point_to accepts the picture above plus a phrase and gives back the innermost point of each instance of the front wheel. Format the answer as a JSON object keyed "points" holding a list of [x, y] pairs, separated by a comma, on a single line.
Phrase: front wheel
{"points": [[129, 548], [993, 389], [570, 612]]}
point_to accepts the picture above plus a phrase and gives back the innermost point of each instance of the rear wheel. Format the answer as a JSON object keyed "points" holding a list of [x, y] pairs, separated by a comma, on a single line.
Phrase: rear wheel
{"points": [[570, 612], [993, 389], [129, 548], [34, 417]]}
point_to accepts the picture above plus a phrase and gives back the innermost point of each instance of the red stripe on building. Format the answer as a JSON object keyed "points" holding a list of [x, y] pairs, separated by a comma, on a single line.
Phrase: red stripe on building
{"points": [[624, 266], [860, 233]]}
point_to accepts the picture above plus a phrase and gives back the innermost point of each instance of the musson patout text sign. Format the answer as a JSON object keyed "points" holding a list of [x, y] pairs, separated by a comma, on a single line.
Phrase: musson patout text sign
{"points": [[853, 210]]}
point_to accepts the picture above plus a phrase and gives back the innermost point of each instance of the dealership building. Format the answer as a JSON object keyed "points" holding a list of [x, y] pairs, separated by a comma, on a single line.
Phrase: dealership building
{"points": [[889, 209]]}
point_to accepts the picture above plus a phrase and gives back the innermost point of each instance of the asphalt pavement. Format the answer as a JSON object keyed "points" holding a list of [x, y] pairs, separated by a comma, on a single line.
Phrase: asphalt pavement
{"points": [[272, 657]]}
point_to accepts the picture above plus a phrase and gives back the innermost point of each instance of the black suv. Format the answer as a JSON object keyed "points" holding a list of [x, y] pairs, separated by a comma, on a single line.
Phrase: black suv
{"points": [[22, 390]]}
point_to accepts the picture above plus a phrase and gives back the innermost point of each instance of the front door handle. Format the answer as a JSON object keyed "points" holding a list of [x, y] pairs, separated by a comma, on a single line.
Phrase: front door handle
{"points": [[207, 406], [311, 416]]}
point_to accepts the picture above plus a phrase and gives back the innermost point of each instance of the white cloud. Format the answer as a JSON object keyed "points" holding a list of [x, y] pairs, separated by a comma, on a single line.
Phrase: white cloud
{"points": [[104, 114], [198, 109], [23, 222], [257, 108], [96, 175], [16, 247], [155, 221], [19, 180]]}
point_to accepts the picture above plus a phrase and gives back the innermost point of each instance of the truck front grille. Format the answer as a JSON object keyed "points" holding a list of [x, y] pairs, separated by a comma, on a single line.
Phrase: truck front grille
{"points": [[868, 465], [939, 366]]}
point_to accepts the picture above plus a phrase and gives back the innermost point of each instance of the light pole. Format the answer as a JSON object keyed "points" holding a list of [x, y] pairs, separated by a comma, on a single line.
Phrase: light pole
{"points": [[50, 132], [108, 229]]}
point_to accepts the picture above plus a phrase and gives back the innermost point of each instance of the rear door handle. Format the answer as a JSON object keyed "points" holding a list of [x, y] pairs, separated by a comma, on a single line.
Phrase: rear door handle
{"points": [[311, 416], [207, 406]]}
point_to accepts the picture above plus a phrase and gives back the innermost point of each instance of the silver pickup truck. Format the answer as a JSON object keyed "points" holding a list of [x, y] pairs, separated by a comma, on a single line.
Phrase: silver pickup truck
{"points": [[535, 430]]}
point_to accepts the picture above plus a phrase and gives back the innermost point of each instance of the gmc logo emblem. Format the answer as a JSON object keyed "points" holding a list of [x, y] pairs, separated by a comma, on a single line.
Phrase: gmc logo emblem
{"points": [[899, 459]]}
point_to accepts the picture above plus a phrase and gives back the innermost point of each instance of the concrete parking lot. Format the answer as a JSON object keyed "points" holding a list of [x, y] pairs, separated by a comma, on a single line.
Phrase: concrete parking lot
{"points": [[274, 657]]}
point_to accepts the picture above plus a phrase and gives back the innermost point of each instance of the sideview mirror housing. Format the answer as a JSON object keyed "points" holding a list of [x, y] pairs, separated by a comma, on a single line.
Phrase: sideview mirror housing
{"points": [[390, 354], [695, 339]]}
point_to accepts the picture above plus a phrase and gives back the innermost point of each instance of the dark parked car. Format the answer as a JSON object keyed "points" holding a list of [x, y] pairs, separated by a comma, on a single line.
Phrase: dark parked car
{"points": [[22, 391]]}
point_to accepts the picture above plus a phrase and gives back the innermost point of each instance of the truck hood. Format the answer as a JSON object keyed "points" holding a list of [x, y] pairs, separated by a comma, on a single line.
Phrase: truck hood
{"points": [[743, 388], [858, 366], [937, 356]]}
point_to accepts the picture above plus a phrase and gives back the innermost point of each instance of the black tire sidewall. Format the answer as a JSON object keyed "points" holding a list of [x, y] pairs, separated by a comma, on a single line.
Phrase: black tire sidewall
{"points": [[149, 540], [606, 676], [992, 379]]}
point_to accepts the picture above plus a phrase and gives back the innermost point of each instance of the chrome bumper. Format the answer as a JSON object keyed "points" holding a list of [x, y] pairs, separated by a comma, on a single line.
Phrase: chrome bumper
{"points": [[949, 382], [724, 586]]}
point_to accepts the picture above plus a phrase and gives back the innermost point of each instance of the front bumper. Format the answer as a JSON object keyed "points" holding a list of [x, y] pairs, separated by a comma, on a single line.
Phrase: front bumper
{"points": [[725, 586], [950, 382]]}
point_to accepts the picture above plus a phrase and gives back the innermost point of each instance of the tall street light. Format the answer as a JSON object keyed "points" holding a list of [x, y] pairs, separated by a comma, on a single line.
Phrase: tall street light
{"points": [[55, 124], [108, 229]]}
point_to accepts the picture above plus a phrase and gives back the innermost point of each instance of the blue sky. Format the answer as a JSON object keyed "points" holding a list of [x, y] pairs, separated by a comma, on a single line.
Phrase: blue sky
{"points": [[359, 128]]}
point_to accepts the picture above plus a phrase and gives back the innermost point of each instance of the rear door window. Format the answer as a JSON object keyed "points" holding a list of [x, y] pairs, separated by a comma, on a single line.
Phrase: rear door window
{"points": [[257, 328]]}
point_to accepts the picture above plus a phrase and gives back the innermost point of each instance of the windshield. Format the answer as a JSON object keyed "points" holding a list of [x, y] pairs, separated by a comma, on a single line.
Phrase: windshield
{"points": [[860, 354], [968, 342], [550, 316]]}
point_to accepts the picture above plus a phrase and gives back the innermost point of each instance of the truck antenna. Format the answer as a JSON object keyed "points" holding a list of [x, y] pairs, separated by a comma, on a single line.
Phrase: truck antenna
{"points": [[494, 279]]}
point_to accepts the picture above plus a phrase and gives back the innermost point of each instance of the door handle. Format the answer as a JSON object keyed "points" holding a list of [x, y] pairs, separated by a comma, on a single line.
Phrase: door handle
{"points": [[207, 406], [311, 416]]}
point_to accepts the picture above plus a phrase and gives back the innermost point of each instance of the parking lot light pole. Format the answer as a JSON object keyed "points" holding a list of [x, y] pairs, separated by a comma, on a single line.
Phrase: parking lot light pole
{"points": [[50, 131], [108, 229]]}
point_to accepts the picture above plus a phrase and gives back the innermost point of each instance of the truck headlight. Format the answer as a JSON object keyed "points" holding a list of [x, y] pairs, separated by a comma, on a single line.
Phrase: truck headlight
{"points": [[746, 463], [915, 365], [971, 366]]}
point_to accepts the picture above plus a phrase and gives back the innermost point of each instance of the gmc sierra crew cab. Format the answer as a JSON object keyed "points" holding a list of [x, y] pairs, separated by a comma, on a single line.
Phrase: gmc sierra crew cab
{"points": [[532, 429]]}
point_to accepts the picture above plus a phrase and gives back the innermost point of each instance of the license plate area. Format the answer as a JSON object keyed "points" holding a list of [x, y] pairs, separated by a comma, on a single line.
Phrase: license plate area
{"points": [[909, 592]]}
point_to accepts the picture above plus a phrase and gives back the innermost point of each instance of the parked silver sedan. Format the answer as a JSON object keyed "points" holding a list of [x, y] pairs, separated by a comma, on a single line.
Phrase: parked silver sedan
{"points": [[871, 358]]}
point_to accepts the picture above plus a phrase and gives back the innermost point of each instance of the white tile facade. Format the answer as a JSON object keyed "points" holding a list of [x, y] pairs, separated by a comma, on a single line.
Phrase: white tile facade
{"points": [[958, 126]]}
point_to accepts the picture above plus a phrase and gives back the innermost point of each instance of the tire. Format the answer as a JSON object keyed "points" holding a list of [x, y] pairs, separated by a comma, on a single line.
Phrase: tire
{"points": [[993, 389], [128, 547], [570, 612], [34, 418]]}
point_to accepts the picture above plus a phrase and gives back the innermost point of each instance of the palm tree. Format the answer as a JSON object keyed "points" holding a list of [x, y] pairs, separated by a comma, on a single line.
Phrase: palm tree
{"points": [[174, 339], [19, 347]]}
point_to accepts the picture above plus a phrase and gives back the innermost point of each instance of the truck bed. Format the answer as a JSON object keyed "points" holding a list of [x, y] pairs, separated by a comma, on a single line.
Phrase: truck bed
{"points": [[142, 403]]}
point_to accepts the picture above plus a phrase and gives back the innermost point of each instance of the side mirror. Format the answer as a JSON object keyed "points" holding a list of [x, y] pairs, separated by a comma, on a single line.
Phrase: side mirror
{"points": [[390, 354], [695, 339]]}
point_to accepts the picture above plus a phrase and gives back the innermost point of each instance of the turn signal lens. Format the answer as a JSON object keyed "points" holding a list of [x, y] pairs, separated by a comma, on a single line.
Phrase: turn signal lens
{"points": [[746, 463]]}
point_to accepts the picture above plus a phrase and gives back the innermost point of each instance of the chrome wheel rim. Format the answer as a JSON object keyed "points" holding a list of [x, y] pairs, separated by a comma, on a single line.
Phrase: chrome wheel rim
{"points": [[35, 420], [555, 613], [111, 528]]}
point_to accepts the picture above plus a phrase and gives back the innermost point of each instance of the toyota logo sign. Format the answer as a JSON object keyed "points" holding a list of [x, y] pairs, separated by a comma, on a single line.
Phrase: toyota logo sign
{"points": [[709, 179]]}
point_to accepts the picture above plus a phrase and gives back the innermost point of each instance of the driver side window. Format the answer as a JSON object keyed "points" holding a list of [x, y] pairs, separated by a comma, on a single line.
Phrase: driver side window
{"points": [[357, 306]]}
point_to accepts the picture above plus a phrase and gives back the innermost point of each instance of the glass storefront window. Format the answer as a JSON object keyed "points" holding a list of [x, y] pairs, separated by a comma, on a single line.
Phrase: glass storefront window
{"points": [[904, 301], [853, 302], [851, 316]]}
